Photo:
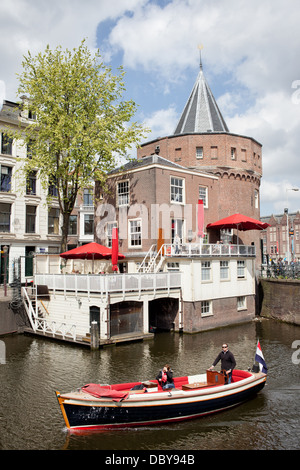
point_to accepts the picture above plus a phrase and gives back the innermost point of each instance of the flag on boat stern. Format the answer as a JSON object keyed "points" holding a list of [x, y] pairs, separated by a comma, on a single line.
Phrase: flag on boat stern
{"points": [[259, 357]]}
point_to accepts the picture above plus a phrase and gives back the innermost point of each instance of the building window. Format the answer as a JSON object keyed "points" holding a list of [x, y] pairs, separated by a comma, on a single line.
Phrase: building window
{"points": [[135, 233], [52, 188], [29, 149], [233, 153], [5, 179], [214, 152], [256, 199], [203, 195], [53, 221], [241, 269], [109, 229], [205, 271], [224, 270], [241, 303], [31, 114], [88, 224], [244, 155], [177, 190], [173, 266], [199, 152], [177, 229], [72, 225], [123, 193], [30, 219], [5, 211], [206, 308], [31, 183], [6, 144], [88, 197]]}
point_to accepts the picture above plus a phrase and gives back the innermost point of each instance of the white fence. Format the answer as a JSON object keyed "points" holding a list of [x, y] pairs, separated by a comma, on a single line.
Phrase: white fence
{"points": [[216, 249], [109, 283]]}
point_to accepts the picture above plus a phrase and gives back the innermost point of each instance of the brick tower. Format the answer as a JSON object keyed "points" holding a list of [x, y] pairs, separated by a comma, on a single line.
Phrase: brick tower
{"points": [[202, 141]]}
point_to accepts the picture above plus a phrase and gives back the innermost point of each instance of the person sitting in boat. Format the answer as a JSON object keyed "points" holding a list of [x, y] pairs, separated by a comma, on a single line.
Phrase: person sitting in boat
{"points": [[228, 362], [165, 378]]}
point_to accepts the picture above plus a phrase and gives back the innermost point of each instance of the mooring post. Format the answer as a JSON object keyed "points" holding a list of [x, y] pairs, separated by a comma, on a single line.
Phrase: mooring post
{"points": [[94, 335]]}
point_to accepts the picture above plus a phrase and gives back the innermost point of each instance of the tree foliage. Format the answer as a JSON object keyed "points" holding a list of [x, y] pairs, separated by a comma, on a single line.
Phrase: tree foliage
{"points": [[82, 123]]}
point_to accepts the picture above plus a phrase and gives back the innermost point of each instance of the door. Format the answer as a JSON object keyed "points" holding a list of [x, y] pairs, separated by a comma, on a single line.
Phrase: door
{"points": [[95, 316], [29, 253]]}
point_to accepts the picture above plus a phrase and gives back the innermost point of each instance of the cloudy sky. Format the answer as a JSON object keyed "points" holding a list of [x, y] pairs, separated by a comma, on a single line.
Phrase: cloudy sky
{"points": [[250, 57]]}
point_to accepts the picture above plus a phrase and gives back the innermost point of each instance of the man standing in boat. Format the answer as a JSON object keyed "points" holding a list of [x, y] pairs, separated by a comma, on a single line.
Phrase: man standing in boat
{"points": [[228, 362]]}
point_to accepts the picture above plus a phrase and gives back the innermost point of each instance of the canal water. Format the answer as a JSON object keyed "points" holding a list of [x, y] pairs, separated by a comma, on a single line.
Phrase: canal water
{"points": [[30, 418]]}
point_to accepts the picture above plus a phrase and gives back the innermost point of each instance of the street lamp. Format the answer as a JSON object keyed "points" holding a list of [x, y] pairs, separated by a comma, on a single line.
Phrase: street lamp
{"points": [[287, 223]]}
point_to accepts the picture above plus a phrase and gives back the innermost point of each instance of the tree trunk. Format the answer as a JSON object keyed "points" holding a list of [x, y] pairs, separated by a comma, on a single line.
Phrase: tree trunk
{"points": [[65, 230]]}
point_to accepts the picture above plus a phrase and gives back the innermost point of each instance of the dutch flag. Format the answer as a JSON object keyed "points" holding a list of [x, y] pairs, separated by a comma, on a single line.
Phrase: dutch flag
{"points": [[260, 359]]}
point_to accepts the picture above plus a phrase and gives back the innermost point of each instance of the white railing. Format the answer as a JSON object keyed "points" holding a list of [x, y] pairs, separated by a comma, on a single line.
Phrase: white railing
{"points": [[31, 313], [196, 249], [103, 284], [56, 329], [41, 324]]}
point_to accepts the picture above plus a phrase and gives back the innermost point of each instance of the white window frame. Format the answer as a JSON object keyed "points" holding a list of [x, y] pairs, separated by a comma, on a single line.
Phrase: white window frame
{"points": [[206, 308], [199, 152], [173, 184], [203, 191], [241, 303], [224, 269], [173, 266], [131, 233], [122, 197], [178, 227], [241, 269], [206, 271], [108, 229]]}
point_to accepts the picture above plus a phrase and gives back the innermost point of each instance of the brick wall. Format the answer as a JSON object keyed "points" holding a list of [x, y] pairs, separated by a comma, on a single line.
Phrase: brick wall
{"points": [[280, 299], [224, 313], [237, 188]]}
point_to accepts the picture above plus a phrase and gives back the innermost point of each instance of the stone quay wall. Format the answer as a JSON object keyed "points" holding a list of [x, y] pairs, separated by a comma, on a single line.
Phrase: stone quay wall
{"points": [[280, 299]]}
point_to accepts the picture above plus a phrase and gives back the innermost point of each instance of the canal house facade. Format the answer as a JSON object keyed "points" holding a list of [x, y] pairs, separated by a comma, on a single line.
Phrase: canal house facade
{"points": [[175, 275]]}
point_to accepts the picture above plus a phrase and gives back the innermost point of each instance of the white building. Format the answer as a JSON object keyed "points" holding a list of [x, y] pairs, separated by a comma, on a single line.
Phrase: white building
{"points": [[207, 286], [27, 224]]}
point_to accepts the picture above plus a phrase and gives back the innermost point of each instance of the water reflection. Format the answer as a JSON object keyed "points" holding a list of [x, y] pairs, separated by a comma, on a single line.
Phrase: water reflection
{"points": [[31, 419]]}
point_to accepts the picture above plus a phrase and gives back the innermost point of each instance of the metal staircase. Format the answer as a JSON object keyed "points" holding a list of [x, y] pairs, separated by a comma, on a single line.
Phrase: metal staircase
{"points": [[153, 260]]}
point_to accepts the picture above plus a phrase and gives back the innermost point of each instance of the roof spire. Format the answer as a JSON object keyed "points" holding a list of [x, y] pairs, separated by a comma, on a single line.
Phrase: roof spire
{"points": [[201, 113], [200, 47]]}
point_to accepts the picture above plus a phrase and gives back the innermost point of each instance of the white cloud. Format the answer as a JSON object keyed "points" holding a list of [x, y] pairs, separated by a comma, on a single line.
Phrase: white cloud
{"points": [[252, 47], [161, 123], [32, 24], [2, 93], [250, 58]]}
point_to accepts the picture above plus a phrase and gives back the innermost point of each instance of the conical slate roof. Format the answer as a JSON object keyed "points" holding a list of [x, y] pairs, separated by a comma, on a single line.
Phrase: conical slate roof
{"points": [[201, 112]]}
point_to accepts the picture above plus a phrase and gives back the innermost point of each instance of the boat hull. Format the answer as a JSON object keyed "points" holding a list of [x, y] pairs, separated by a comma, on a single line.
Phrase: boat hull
{"points": [[149, 409]]}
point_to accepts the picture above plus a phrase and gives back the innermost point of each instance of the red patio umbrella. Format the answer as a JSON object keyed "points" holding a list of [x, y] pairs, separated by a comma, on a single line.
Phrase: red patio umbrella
{"points": [[88, 251], [240, 222]]}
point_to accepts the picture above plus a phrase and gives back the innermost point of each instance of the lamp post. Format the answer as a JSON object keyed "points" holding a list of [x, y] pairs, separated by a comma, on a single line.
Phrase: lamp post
{"points": [[287, 223]]}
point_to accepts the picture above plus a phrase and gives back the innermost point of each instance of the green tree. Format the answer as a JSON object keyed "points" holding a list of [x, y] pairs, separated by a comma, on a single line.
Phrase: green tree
{"points": [[82, 124]]}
